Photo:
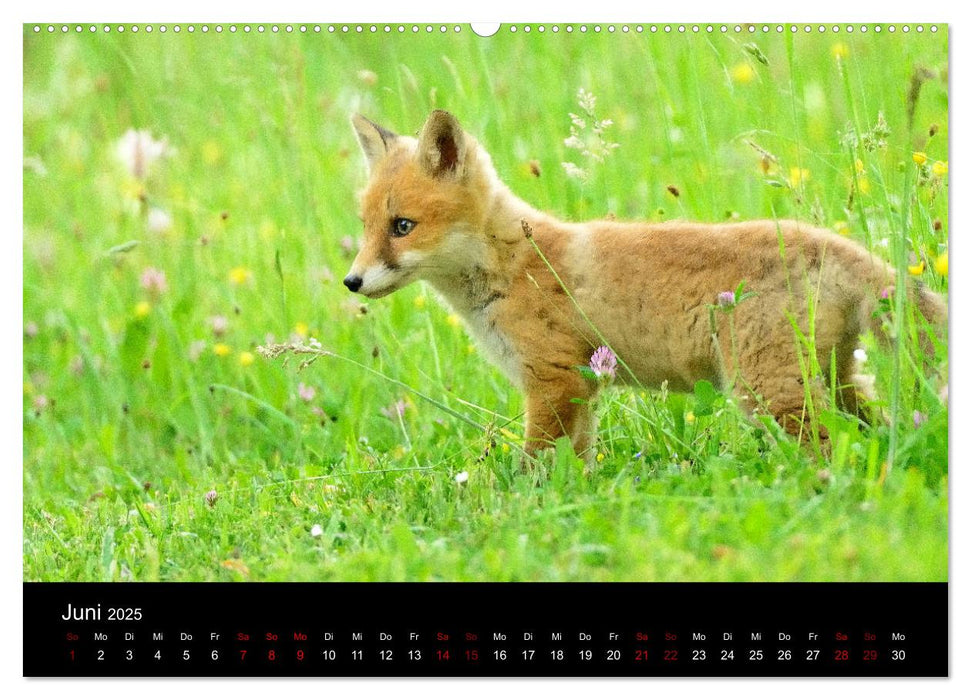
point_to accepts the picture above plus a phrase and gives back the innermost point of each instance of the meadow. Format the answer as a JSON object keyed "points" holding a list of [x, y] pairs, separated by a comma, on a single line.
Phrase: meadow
{"points": [[160, 445]]}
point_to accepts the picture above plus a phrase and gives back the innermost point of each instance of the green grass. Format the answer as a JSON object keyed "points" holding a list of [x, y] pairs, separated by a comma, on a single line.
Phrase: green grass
{"points": [[126, 430]]}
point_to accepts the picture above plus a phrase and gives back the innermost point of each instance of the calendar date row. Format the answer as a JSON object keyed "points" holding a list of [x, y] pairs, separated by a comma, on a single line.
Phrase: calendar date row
{"points": [[303, 654]]}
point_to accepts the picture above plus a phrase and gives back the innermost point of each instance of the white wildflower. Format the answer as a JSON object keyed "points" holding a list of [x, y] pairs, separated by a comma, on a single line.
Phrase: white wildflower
{"points": [[860, 354], [316, 531], [35, 165], [586, 100], [195, 349], [578, 121], [158, 220], [587, 132], [573, 141], [219, 325], [461, 477], [575, 171], [137, 151]]}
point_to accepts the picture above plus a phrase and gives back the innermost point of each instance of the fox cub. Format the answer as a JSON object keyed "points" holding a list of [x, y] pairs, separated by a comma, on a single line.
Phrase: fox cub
{"points": [[435, 209]]}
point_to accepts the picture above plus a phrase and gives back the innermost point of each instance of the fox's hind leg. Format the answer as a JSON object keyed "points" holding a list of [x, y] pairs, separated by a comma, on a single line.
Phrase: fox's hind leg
{"points": [[854, 391], [767, 378]]}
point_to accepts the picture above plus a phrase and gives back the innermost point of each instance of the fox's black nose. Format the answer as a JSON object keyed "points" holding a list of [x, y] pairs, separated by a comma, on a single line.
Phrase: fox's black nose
{"points": [[353, 282]]}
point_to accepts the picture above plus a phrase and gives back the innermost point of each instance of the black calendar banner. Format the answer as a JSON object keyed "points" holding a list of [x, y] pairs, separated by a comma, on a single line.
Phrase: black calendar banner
{"points": [[479, 629]]}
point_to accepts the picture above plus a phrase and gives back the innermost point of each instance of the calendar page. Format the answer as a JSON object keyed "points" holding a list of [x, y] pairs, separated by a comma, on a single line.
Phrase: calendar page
{"points": [[485, 350]]}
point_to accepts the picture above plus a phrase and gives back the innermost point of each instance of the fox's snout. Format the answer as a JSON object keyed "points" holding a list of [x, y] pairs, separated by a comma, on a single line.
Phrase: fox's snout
{"points": [[416, 207], [376, 278]]}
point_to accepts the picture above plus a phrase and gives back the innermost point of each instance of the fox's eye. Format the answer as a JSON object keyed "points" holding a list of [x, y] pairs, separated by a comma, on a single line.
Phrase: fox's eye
{"points": [[402, 227]]}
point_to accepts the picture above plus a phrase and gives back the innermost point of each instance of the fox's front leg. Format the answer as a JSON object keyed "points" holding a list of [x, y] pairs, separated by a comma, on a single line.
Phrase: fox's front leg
{"points": [[558, 403]]}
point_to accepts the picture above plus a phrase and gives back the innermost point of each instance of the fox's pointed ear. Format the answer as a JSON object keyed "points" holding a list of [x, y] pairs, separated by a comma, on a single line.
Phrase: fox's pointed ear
{"points": [[441, 146], [375, 140]]}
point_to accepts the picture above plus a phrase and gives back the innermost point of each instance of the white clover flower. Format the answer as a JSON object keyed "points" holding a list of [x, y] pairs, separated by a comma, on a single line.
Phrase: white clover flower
{"points": [[461, 477], [860, 354], [316, 531], [158, 220]]}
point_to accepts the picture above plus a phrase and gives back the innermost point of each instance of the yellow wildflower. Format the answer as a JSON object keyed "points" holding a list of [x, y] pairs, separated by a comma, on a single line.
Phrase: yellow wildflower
{"points": [[420, 301], [453, 320], [600, 456], [240, 275], [177, 192], [840, 50], [246, 358], [301, 329], [508, 434], [211, 153], [142, 309], [842, 228], [859, 166], [743, 73], [470, 349], [919, 157], [689, 417], [939, 168], [267, 230], [221, 350], [133, 189], [940, 265], [28, 388], [916, 269], [864, 184], [797, 176]]}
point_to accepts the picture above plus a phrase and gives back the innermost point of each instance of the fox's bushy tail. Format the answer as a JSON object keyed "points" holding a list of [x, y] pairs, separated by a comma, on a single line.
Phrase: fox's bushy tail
{"points": [[932, 305], [933, 318]]}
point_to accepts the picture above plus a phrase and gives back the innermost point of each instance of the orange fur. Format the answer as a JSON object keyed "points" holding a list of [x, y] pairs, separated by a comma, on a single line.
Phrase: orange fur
{"points": [[645, 289]]}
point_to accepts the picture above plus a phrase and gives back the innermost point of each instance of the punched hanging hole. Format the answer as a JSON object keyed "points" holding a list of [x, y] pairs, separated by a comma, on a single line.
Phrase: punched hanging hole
{"points": [[485, 29]]}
